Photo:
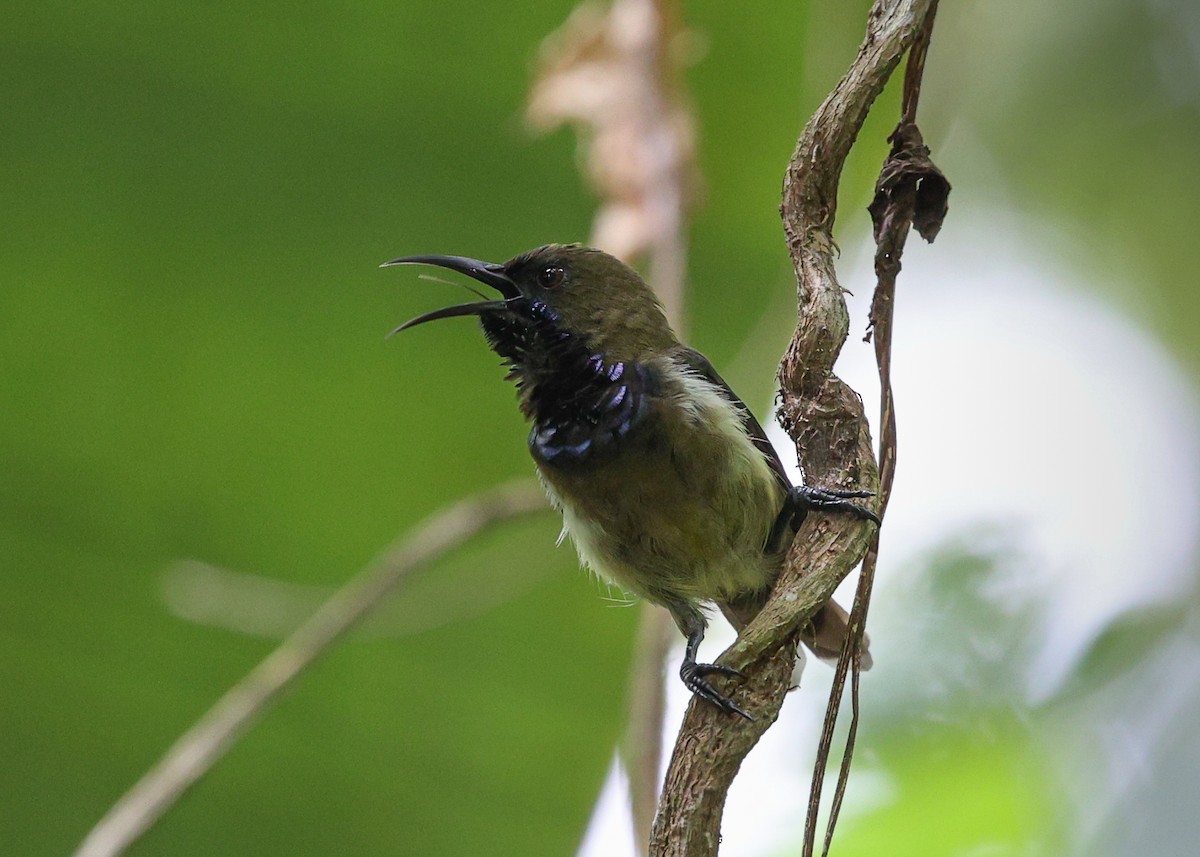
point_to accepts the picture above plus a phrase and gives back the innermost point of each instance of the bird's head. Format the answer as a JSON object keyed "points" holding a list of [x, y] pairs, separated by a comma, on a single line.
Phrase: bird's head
{"points": [[558, 300]]}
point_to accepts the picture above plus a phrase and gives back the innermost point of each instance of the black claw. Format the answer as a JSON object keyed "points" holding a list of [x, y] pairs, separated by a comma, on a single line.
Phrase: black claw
{"points": [[842, 492], [719, 669], [806, 498], [693, 675]]}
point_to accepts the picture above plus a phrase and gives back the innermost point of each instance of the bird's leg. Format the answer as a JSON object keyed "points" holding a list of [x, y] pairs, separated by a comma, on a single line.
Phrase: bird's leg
{"points": [[692, 623], [804, 498]]}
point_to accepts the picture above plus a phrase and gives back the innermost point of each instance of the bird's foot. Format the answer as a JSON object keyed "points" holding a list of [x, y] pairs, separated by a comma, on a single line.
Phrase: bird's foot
{"points": [[693, 675], [808, 498], [805, 498]]}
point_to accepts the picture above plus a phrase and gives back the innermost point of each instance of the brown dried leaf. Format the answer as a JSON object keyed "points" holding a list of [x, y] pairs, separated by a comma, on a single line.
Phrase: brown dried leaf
{"points": [[611, 73], [910, 186]]}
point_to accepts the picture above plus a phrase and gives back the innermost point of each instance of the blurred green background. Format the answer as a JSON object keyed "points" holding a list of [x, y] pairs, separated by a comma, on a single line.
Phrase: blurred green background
{"points": [[192, 366]]}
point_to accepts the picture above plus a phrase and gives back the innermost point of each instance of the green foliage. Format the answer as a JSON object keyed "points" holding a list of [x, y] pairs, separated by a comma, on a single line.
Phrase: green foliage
{"points": [[954, 795]]}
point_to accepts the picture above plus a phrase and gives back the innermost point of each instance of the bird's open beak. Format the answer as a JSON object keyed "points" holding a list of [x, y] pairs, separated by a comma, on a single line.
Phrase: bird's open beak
{"points": [[488, 273]]}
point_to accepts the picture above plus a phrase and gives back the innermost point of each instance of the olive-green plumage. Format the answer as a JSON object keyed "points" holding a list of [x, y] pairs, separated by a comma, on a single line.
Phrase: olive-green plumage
{"points": [[666, 482], [683, 510]]}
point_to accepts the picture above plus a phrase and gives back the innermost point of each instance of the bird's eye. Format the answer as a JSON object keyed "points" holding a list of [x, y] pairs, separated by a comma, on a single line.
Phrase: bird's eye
{"points": [[550, 277]]}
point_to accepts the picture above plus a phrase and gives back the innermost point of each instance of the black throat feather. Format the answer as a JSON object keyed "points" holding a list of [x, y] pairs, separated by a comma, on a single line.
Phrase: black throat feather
{"points": [[581, 403]]}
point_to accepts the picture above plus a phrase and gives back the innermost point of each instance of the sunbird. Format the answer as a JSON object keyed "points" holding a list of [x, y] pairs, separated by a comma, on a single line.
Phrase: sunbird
{"points": [[666, 482]]}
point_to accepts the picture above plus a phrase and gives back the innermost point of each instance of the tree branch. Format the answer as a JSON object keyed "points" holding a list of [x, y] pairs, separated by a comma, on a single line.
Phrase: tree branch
{"points": [[910, 192], [825, 418], [220, 728]]}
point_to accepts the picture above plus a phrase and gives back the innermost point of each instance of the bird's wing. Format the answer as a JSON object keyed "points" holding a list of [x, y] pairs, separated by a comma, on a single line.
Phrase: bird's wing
{"points": [[699, 364]]}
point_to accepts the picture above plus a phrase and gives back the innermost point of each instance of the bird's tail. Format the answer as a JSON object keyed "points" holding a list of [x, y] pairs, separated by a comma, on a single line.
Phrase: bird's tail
{"points": [[824, 634]]}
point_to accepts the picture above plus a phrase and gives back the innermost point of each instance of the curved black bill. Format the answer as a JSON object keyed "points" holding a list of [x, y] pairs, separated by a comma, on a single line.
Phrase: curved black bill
{"points": [[488, 273], [474, 308]]}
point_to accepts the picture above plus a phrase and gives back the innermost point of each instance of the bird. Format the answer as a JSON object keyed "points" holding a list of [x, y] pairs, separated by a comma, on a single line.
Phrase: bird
{"points": [[667, 484]]}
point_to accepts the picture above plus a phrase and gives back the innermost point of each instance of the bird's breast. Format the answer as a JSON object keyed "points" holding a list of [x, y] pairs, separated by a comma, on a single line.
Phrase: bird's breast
{"points": [[681, 505], [586, 415]]}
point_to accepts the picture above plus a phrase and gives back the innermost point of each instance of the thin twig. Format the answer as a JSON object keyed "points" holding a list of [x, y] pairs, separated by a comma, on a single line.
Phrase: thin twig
{"points": [[641, 745], [826, 420], [241, 706], [613, 75], [666, 190]]}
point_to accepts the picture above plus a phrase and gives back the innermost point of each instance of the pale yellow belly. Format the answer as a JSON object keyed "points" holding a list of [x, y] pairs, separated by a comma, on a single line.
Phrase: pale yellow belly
{"points": [[675, 520]]}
